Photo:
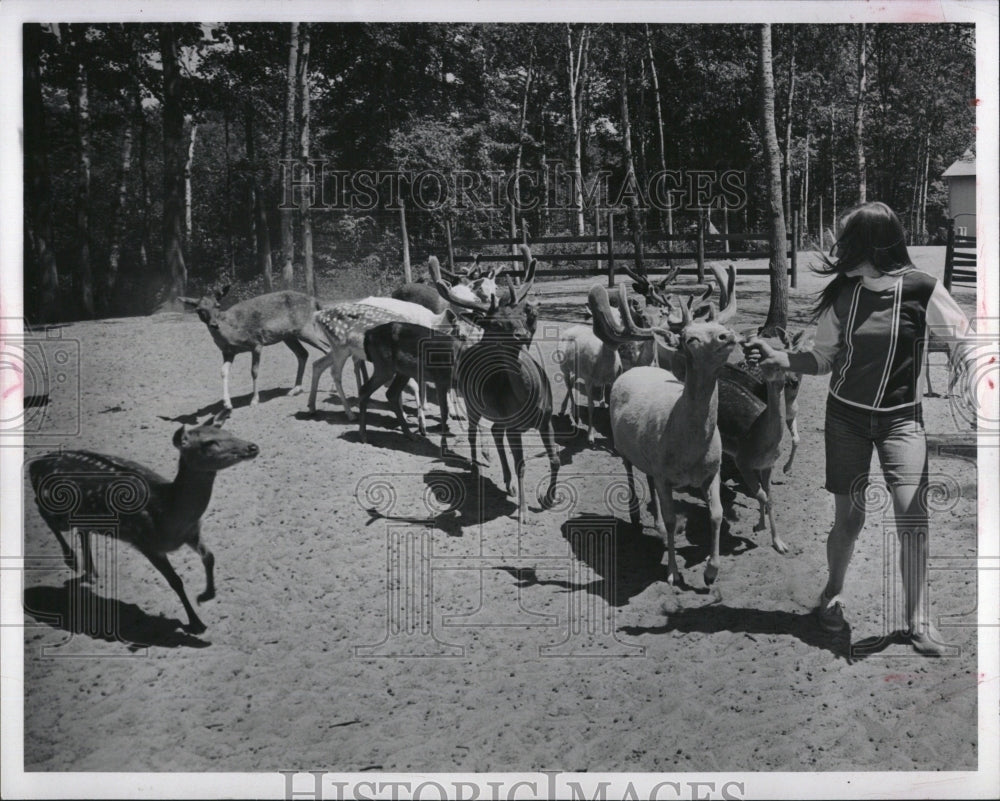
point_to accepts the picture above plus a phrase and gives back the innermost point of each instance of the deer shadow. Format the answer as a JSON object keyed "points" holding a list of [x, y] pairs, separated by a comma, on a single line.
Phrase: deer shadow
{"points": [[635, 557], [574, 440], [77, 609], [459, 500], [715, 618], [241, 401], [339, 416]]}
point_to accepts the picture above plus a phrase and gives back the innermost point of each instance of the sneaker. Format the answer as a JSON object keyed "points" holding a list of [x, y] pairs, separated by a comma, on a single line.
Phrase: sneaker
{"points": [[830, 615]]}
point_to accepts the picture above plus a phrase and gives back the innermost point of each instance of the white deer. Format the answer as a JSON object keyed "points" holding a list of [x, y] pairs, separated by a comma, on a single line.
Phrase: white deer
{"points": [[666, 428]]}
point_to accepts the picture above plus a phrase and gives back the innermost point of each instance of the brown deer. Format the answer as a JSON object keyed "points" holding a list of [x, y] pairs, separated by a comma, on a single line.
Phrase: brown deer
{"points": [[502, 383], [154, 515], [666, 428], [403, 351], [253, 324]]}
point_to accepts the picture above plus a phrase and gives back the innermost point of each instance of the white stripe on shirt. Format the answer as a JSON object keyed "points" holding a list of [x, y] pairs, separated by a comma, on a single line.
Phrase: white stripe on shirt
{"points": [[848, 338], [897, 303]]}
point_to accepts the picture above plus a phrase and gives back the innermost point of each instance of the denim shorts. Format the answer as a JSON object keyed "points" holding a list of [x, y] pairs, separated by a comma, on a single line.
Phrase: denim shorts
{"points": [[851, 433]]}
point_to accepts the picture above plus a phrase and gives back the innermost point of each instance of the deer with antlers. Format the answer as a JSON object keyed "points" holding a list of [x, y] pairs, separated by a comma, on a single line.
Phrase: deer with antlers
{"points": [[154, 515], [502, 383], [666, 428]]}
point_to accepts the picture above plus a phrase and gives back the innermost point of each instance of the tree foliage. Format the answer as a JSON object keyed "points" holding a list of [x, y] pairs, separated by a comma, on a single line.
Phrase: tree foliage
{"points": [[447, 97]]}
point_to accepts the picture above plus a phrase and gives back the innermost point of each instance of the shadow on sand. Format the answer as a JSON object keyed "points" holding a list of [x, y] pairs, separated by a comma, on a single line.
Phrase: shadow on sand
{"points": [[76, 608]]}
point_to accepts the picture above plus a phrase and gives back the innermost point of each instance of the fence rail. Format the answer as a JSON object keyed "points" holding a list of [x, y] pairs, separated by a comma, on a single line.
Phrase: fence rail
{"points": [[609, 250]]}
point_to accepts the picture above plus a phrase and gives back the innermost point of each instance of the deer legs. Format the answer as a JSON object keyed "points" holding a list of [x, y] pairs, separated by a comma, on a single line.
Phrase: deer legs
{"points": [[549, 441], [335, 361], [303, 356], [208, 560], [161, 563], [713, 500], [793, 429], [759, 485], [668, 527], [254, 370], [633, 500], [227, 362]]}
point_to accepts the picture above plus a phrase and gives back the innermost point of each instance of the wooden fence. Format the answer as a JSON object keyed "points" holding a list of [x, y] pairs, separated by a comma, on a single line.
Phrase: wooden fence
{"points": [[696, 247], [959, 259]]}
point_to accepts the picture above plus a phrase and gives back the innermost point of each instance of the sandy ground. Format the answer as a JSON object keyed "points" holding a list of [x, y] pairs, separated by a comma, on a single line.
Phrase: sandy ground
{"points": [[377, 610]]}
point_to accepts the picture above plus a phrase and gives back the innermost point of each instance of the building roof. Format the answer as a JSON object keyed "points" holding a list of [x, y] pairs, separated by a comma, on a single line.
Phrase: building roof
{"points": [[966, 165]]}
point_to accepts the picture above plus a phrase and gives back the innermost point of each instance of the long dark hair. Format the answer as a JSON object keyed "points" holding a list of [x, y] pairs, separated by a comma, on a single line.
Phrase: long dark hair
{"points": [[869, 233]]}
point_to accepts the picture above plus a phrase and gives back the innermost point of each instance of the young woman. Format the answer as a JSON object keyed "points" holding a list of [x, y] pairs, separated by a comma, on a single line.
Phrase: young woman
{"points": [[872, 321]]}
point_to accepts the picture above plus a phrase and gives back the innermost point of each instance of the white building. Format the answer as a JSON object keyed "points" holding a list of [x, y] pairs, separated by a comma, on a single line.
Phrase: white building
{"points": [[961, 178]]}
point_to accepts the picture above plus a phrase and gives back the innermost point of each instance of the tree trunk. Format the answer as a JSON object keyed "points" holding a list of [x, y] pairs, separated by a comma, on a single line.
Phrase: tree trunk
{"points": [[306, 200], [175, 268], [230, 248], [519, 152], [777, 313], [804, 222], [118, 217], [187, 184], [577, 71], [259, 222], [833, 177], [630, 179], [543, 212], [80, 104], [287, 139], [43, 304], [787, 185], [145, 234], [859, 114], [658, 104], [922, 224]]}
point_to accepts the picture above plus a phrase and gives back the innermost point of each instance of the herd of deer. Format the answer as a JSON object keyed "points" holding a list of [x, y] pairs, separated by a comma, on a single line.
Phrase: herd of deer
{"points": [[680, 397]]}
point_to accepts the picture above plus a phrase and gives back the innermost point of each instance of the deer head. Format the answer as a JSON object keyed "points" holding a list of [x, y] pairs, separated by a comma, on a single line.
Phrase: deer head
{"points": [[505, 318], [207, 448], [207, 307], [701, 342]]}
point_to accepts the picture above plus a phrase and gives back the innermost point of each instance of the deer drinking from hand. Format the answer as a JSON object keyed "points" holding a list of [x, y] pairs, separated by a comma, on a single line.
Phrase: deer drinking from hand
{"points": [[503, 383], [666, 428], [154, 515], [253, 324]]}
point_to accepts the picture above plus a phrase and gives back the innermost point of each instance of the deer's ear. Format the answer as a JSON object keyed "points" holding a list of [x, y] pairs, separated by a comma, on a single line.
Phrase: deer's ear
{"points": [[220, 417], [797, 338], [221, 293], [179, 436], [188, 301], [667, 339]]}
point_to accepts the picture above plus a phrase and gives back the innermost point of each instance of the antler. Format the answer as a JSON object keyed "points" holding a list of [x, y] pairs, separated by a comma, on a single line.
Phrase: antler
{"points": [[727, 291], [444, 290], [643, 284], [647, 333], [605, 327], [517, 294]]}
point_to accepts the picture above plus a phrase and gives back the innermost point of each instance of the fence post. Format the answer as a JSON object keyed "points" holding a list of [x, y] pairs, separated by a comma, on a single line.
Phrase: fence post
{"points": [[795, 238], [701, 247], [611, 250], [949, 255], [451, 250], [406, 242]]}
